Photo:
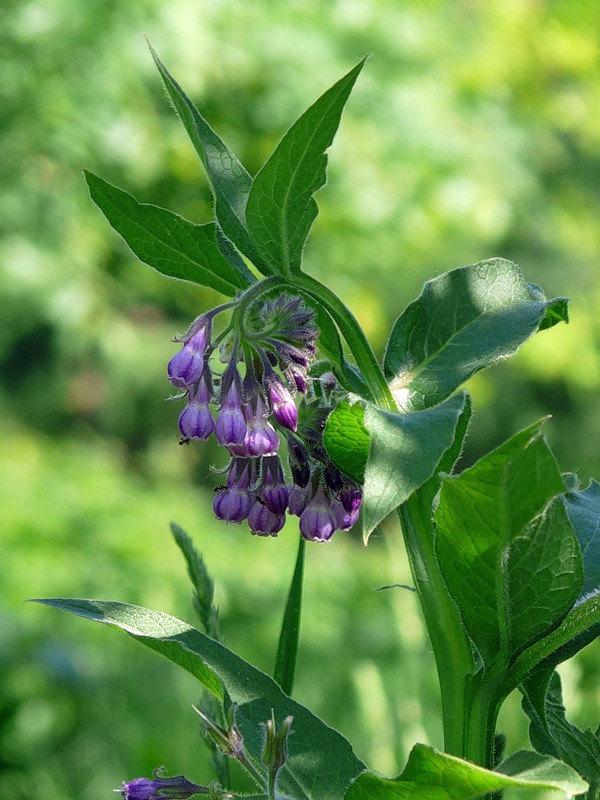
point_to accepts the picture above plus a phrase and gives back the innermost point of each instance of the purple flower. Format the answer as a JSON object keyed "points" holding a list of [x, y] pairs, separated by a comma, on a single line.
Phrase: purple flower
{"points": [[233, 502], [297, 500], [195, 421], [344, 519], [231, 426], [351, 498], [186, 366], [176, 788], [264, 522], [317, 521], [282, 405], [273, 491], [260, 439]]}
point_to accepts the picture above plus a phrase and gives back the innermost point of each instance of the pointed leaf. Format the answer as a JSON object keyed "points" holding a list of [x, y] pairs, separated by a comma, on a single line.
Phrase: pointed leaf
{"points": [[463, 321], [203, 584], [281, 208], [313, 749], [505, 547], [287, 649], [431, 775], [392, 454], [583, 510], [551, 733], [229, 180], [169, 243]]}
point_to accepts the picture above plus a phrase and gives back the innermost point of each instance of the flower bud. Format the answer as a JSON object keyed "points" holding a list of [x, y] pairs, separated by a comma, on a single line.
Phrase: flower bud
{"points": [[260, 439], [282, 405], [186, 366], [297, 500], [195, 421], [231, 426], [273, 491], [160, 787], [264, 522]]}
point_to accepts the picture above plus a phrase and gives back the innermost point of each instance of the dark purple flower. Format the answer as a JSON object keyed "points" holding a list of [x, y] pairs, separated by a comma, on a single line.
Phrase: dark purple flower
{"points": [[231, 426], [186, 366], [351, 498], [264, 522], [298, 376], [299, 461], [195, 421], [297, 500], [317, 521], [344, 519], [282, 405], [260, 439], [273, 491], [233, 502], [176, 788]]}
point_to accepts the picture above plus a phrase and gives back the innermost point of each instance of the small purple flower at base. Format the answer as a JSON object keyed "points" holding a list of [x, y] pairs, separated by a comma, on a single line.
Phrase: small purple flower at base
{"points": [[273, 491], [186, 366], [317, 522], [261, 438], [344, 519], [297, 500], [231, 425], [264, 522], [160, 787], [282, 405]]}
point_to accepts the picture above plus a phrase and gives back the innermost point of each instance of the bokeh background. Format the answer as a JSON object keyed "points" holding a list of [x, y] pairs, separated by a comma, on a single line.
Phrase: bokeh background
{"points": [[473, 132]]}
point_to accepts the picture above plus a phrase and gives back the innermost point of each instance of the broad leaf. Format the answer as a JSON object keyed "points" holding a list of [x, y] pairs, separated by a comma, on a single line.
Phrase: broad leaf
{"points": [[506, 549], [431, 775], [229, 180], [281, 208], [393, 453], [463, 321], [583, 510], [551, 733], [169, 243], [321, 762]]}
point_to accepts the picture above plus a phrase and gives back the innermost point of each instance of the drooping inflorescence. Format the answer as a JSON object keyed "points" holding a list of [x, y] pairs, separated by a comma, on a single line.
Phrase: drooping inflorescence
{"points": [[241, 386]]}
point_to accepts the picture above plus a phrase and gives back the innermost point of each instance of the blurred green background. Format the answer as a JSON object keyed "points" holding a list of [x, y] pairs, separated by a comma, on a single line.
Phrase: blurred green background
{"points": [[474, 131]]}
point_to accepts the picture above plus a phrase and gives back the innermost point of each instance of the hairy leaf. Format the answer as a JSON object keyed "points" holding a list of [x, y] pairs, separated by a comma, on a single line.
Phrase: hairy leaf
{"points": [[202, 583], [583, 510], [431, 775], [281, 208], [169, 243], [463, 321], [321, 762], [229, 180], [506, 549], [392, 454]]}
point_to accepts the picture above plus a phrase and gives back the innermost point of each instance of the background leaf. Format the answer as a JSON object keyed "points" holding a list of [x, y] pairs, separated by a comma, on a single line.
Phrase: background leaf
{"points": [[505, 547], [229, 180], [583, 510], [551, 733], [202, 583], [287, 648], [169, 243], [463, 321], [431, 775], [281, 208], [313, 748]]}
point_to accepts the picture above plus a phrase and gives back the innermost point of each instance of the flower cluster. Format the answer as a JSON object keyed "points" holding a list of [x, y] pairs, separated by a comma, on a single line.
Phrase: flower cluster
{"points": [[266, 353]]}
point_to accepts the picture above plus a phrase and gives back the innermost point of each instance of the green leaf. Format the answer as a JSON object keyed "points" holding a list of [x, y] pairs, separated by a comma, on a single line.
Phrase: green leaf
{"points": [[281, 208], [331, 347], [583, 510], [229, 180], [203, 584], [314, 748], [431, 775], [463, 321], [391, 454], [169, 243], [506, 549], [287, 649], [551, 733]]}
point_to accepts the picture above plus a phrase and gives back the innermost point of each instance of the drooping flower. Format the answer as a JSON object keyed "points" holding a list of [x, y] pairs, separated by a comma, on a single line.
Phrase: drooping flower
{"points": [[185, 368], [161, 788], [231, 425], [261, 438], [273, 491], [282, 403], [317, 521], [232, 503], [196, 421], [263, 521]]}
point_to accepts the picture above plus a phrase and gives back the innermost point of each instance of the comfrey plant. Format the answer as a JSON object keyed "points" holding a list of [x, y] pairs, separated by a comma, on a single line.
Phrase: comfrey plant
{"points": [[504, 555]]}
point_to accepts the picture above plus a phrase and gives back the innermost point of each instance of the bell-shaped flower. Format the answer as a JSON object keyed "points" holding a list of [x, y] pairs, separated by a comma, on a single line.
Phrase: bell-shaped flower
{"points": [[196, 421], [261, 438], [231, 426], [273, 491], [282, 404], [263, 522], [186, 366], [233, 502], [317, 521]]}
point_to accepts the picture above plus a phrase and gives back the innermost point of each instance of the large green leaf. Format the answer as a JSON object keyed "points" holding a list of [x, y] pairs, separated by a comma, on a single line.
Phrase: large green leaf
{"points": [[463, 321], [431, 775], [229, 180], [392, 454], [583, 510], [321, 762], [169, 243], [551, 733], [281, 208], [505, 547]]}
